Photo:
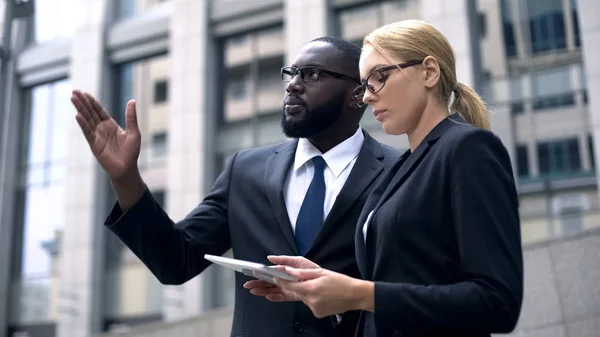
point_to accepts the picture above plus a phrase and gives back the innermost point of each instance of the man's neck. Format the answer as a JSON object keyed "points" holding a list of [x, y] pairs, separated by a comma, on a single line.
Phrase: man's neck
{"points": [[328, 139]]}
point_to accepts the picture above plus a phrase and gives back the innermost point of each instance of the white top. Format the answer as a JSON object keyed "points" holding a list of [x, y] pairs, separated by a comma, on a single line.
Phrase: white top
{"points": [[339, 163], [366, 226]]}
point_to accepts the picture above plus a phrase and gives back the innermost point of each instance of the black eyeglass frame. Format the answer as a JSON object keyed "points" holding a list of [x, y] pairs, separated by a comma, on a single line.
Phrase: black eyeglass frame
{"points": [[293, 71], [358, 96]]}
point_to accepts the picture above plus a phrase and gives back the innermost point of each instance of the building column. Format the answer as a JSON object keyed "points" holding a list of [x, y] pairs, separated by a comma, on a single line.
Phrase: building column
{"points": [[82, 279], [304, 21], [589, 26], [191, 141], [10, 126]]}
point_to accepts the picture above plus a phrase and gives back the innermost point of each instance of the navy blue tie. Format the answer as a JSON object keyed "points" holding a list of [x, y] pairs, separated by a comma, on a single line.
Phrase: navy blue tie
{"points": [[310, 217]]}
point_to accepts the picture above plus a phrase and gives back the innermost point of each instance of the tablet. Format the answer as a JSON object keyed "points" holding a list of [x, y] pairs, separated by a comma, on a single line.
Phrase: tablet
{"points": [[258, 270]]}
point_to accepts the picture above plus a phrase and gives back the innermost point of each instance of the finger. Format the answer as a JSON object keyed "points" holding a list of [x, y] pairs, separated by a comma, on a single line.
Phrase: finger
{"points": [[265, 291], [305, 274], [258, 284], [87, 131], [77, 101], [276, 297], [131, 118], [85, 98], [97, 107], [297, 287], [293, 261]]}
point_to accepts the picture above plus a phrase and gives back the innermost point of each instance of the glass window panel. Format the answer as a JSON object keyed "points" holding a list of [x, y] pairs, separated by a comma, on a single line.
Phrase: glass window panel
{"points": [[126, 9], [133, 293], [559, 157], [546, 24], [355, 23], [39, 124], [56, 19], [63, 117], [44, 211], [510, 44], [552, 88]]}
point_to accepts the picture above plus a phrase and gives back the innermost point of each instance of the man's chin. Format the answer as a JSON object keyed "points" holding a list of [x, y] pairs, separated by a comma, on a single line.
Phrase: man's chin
{"points": [[294, 130]]}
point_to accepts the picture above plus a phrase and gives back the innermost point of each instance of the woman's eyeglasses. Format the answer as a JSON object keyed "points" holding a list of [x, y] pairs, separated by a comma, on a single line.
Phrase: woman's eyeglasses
{"points": [[376, 81]]}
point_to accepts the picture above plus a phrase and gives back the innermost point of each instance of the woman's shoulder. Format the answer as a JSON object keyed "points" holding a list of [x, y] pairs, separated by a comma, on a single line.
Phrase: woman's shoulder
{"points": [[468, 140]]}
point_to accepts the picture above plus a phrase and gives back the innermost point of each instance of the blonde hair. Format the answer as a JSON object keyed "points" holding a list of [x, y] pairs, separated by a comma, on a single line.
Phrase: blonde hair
{"points": [[411, 40]]}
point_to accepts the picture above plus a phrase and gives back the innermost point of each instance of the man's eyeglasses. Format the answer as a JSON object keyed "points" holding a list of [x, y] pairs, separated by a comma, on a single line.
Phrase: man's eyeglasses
{"points": [[311, 74], [376, 81]]}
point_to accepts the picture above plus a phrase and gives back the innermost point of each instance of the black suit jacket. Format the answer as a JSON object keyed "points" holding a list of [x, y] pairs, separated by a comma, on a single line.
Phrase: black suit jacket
{"points": [[245, 211], [443, 244]]}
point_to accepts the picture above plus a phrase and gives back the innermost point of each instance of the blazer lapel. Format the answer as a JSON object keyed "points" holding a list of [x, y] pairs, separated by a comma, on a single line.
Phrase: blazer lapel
{"points": [[369, 207], [277, 168], [367, 167]]}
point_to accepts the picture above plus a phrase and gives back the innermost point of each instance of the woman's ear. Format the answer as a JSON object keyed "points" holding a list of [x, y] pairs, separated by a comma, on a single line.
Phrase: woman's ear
{"points": [[431, 72]]}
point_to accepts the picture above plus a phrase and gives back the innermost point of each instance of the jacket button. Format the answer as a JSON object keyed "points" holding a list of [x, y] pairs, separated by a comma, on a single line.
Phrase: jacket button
{"points": [[298, 327]]}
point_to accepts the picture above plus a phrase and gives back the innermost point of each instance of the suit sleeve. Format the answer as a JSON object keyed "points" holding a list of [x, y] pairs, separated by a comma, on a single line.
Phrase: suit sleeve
{"points": [[174, 252], [484, 205]]}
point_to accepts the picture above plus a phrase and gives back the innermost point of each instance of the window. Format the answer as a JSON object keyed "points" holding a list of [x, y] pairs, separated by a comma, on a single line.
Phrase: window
{"points": [[516, 96], [133, 294], [159, 144], [522, 161], [575, 23], [508, 28], [41, 200], [237, 89], [552, 89], [559, 157], [546, 25], [590, 141], [126, 9], [482, 24], [56, 19], [160, 91]]}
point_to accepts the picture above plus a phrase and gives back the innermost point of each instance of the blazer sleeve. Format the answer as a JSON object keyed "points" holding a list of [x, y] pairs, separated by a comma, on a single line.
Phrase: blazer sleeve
{"points": [[174, 252], [484, 205]]}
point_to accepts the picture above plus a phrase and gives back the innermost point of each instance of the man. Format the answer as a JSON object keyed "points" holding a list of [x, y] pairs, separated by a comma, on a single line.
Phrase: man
{"points": [[257, 205]]}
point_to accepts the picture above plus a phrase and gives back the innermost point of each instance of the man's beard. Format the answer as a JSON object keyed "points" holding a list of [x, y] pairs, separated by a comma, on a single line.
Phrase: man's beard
{"points": [[314, 121]]}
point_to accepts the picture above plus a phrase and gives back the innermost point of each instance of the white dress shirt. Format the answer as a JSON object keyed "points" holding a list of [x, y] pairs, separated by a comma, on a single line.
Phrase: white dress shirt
{"points": [[339, 162]]}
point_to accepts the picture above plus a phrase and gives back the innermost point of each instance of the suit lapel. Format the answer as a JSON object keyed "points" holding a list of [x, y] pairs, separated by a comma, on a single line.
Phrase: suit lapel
{"points": [[367, 167], [277, 168]]}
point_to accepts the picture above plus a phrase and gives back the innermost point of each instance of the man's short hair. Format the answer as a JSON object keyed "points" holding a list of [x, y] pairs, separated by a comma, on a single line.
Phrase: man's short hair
{"points": [[350, 53]]}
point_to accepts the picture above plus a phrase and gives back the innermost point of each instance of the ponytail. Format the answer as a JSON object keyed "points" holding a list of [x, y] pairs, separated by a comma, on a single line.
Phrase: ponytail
{"points": [[470, 106]]}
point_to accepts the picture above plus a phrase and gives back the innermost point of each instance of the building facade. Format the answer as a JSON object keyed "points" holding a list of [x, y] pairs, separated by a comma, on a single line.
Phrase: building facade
{"points": [[205, 75]]}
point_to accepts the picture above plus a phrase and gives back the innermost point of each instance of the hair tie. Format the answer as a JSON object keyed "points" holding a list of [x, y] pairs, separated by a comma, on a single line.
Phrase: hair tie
{"points": [[455, 90]]}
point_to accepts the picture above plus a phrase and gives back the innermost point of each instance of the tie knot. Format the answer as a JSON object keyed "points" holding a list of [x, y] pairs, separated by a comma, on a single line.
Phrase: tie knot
{"points": [[319, 163]]}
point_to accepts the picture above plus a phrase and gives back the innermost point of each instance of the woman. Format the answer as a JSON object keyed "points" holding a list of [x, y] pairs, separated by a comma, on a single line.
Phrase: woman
{"points": [[438, 242]]}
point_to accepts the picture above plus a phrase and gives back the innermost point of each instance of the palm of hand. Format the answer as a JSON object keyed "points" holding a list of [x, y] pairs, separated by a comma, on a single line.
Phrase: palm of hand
{"points": [[116, 149]]}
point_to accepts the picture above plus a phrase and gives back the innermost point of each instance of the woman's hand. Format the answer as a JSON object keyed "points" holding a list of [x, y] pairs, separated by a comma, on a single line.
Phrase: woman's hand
{"points": [[327, 293], [273, 292]]}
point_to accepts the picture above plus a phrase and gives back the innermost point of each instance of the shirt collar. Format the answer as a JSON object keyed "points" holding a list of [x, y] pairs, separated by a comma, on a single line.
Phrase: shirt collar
{"points": [[336, 159]]}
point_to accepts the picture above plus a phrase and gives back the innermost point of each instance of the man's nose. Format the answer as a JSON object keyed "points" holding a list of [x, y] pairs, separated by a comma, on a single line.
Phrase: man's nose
{"points": [[295, 84]]}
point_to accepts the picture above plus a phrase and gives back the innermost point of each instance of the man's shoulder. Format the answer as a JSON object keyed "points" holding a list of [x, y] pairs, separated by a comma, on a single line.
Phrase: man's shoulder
{"points": [[263, 152], [389, 155]]}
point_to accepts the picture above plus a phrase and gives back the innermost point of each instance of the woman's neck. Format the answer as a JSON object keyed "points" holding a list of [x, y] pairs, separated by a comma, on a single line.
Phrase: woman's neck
{"points": [[432, 115]]}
